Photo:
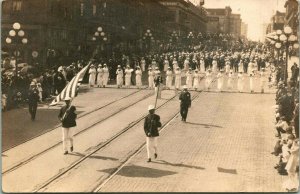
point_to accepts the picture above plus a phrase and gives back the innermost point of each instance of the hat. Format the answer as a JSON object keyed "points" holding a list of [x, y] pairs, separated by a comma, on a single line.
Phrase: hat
{"points": [[156, 68], [32, 83], [119, 65], [169, 67], [104, 64], [149, 68], [92, 65], [67, 98], [151, 107], [177, 67], [185, 87], [60, 68]]}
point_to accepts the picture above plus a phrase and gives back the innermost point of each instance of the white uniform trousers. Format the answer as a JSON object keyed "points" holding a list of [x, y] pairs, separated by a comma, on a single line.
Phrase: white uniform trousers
{"points": [[67, 136], [151, 144]]}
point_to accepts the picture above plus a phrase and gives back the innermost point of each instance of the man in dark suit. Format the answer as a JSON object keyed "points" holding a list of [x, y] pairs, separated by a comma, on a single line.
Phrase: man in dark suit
{"points": [[151, 125], [185, 103], [33, 99], [157, 82], [67, 116]]}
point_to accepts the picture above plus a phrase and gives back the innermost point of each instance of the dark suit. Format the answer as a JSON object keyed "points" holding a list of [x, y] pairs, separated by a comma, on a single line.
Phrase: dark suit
{"points": [[67, 116], [185, 98], [33, 98], [151, 124]]}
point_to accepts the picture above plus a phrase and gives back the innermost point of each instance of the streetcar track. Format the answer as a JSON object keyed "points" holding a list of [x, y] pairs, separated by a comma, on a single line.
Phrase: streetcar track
{"points": [[137, 151], [27, 160], [104, 144], [79, 116], [96, 149]]}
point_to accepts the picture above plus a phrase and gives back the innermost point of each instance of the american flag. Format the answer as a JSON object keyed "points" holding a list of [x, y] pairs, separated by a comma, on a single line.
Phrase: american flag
{"points": [[71, 87]]}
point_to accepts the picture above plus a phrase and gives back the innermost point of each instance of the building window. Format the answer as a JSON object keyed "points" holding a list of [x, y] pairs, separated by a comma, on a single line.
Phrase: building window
{"points": [[94, 10], [17, 5], [81, 9]]}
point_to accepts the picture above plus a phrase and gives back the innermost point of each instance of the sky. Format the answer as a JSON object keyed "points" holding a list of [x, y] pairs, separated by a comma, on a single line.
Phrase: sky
{"points": [[253, 12]]}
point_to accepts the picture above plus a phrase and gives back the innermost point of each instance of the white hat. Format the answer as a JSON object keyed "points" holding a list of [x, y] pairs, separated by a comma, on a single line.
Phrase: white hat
{"points": [[119, 65], [32, 83], [68, 98], [60, 68], [151, 107], [185, 87]]}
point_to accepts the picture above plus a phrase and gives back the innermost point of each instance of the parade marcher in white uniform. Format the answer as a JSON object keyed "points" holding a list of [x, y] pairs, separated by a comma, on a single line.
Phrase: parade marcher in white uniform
{"points": [[177, 78], [189, 79], [128, 72], [138, 77], [153, 64], [240, 83], [186, 64], [202, 65], [151, 75], [263, 80], [175, 64], [230, 80], [166, 64], [143, 64], [227, 67], [197, 78], [67, 116], [169, 78], [250, 66], [208, 79], [220, 77], [241, 66], [214, 65], [105, 75], [92, 77], [120, 75], [100, 73], [251, 82]]}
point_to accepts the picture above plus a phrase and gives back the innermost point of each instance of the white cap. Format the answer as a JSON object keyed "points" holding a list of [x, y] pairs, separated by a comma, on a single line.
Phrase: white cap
{"points": [[185, 87], [32, 83], [68, 98], [151, 107]]}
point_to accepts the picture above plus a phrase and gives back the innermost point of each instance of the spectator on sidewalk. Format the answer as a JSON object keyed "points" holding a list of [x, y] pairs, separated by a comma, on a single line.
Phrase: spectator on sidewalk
{"points": [[185, 103], [281, 126], [67, 116], [33, 99], [151, 125]]}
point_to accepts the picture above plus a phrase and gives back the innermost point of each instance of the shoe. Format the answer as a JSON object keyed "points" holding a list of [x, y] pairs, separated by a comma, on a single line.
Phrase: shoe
{"points": [[72, 149], [155, 155], [149, 160], [66, 152]]}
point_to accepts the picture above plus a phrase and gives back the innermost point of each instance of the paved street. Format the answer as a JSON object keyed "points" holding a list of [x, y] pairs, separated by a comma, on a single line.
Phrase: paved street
{"points": [[224, 147]]}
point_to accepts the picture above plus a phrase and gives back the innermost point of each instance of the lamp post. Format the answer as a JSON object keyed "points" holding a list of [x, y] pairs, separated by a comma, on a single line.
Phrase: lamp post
{"points": [[190, 37], [99, 35], [148, 37], [16, 36], [174, 39]]}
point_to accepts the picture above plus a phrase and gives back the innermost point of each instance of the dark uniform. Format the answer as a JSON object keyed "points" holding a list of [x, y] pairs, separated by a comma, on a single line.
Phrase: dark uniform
{"points": [[67, 116], [33, 99], [151, 125], [157, 81], [185, 98]]}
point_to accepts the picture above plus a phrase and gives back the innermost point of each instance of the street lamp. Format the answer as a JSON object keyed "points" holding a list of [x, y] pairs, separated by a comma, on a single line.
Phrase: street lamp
{"points": [[99, 35], [18, 35], [149, 37]]}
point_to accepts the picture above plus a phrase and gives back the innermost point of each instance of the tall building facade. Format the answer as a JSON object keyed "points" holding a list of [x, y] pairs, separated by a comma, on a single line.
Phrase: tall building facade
{"points": [[61, 31], [229, 23], [292, 14], [277, 22], [244, 30]]}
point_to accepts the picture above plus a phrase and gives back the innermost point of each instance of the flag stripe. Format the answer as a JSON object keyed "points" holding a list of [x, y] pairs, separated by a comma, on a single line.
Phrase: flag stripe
{"points": [[70, 89]]}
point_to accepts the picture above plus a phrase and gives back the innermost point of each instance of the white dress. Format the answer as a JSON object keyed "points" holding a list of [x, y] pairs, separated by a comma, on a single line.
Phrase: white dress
{"points": [[169, 78], [92, 77], [240, 83], [166, 65], [202, 66], [251, 83], [214, 66], [220, 77], [186, 64], [208, 79], [189, 79], [138, 78], [229, 81], [197, 77], [100, 77], [175, 64], [151, 78], [177, 79], [227, 68], [105, 76], [241, 67], [128, 77], [119, 77]]}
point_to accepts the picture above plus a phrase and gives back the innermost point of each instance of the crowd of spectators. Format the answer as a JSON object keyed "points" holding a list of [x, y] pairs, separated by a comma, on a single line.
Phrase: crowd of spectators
{"points": [[287, 130]]}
